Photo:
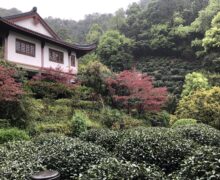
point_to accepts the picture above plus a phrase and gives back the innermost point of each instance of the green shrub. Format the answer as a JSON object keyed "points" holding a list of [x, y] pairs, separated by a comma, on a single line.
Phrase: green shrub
{"points": [[201, 134], [87, 105], [20, 113], [201, 105], [62, 128], [84, 93], [104, 137], [44, 89], [184, 122], [18, 160], [4, 123], [78, 123], [159, 146], [13, 134], [68, 156], [193, 82], [111, 169], [158, 119], [110, 116], [203, 164]]}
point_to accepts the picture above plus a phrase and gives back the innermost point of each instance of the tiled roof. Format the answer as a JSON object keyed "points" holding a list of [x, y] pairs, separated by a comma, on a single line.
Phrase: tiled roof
{"points": [[6, 23]]}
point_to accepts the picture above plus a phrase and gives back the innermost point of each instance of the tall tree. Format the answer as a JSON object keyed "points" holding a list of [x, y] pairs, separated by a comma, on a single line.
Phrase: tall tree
{"points": [[115, 51], [94, 33]]}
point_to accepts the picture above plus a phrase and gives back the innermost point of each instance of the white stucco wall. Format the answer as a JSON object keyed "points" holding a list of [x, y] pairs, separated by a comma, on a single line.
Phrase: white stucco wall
{"points": [[65, 66], [29, 24], [36, 62], [20, 58]]}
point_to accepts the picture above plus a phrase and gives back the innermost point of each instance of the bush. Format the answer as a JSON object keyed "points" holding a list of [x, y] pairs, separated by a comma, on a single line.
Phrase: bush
{"points": [[19, 160], [184, 122], [159, 146], [62, 128], [160, 119], [193, 82], [203, 164], [93, 75], [202, 105], [53, 90], [200, 133], [111, 168], [78, 123], [13, 134], [68, 156], [4, 123], [110, 116], [104, 137]]}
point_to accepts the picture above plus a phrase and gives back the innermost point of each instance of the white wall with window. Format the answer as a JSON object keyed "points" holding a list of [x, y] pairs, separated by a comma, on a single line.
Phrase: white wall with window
{"points": [[22, 52], [52, 57]]}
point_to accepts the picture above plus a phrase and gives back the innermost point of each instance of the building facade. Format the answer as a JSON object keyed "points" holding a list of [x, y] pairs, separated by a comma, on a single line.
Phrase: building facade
{"points": [[28, 41]]}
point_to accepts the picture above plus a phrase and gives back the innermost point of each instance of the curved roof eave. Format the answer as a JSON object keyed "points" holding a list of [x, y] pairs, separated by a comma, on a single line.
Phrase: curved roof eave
{"points": [[82, 49]]}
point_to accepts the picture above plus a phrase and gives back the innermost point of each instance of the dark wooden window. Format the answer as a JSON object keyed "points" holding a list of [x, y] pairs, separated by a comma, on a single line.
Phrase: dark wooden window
{"points": [[24, 47], [56, 56], [73, 60]]}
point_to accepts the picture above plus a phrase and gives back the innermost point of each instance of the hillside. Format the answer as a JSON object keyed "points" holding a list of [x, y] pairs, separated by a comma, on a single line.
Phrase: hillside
{"points": [[144, 104]]}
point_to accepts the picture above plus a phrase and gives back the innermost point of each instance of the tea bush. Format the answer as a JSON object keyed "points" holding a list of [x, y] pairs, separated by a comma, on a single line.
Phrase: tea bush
{"points": [[184, 122], [201, 134], [112, 168], [18, 160], [104, 137], [12, 134], [69, 156], [159, 146], [203, 164]]}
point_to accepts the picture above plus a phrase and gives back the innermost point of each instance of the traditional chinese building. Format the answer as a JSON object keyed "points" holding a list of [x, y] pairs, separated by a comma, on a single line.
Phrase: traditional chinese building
{"points": [[28, 41]]}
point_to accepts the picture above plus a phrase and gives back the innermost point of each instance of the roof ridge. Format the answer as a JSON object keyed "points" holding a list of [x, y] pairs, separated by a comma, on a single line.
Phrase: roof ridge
{"points": [[87, 47]]}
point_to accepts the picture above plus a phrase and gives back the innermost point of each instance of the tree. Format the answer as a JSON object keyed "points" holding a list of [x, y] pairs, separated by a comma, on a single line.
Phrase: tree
{"points": [[10, 90], [134, 90], [212, 36], [94, 33], [115, 51], [118, 20], [93, 75], [202, 105], [193, 82]]}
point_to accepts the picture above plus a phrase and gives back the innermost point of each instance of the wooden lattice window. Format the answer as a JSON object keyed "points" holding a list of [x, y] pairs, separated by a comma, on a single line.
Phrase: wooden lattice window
{"points": [[73, 60], [24, 47], [56, 56]]}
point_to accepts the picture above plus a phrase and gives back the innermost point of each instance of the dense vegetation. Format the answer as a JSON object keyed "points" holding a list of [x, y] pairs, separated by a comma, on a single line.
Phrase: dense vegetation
{"points": [[145, 105]]}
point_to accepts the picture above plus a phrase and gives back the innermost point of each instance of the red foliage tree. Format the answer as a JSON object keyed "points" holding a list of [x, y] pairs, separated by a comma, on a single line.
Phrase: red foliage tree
{"points": [[135, 90], [10, 90]]}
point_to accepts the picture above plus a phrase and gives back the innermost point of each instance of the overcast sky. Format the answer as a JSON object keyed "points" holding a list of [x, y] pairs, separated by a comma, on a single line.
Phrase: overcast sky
{"points": [[67, 9]]}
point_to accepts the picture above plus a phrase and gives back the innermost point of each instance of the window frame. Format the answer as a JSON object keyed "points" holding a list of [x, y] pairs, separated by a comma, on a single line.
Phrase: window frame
{"points": [[26, 46], [56, 51], [71, 60]]}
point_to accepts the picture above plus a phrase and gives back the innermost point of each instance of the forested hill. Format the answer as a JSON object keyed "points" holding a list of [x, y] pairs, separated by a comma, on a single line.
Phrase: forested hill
{"points": [[170, 27], [8, 12]]}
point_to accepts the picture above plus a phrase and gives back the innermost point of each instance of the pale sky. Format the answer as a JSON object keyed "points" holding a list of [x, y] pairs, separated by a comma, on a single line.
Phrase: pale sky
{"points": [[67, 9]]}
